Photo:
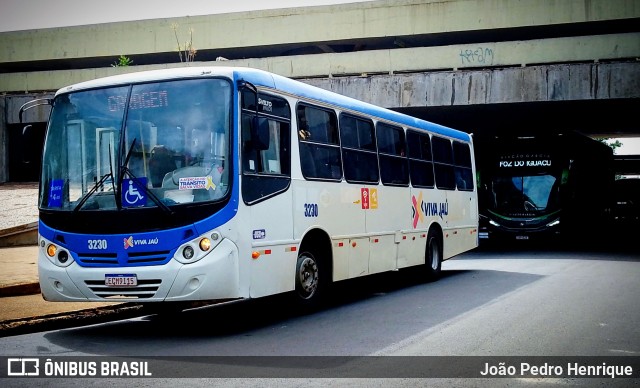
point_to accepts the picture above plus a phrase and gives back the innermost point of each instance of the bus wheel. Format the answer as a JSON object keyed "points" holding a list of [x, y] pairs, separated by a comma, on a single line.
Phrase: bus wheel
{"points": [[307, 279], [433, 263]]}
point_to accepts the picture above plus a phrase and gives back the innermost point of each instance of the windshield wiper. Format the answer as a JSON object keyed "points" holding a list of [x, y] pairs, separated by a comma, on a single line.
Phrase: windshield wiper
{"points": [[99, 183], [95, 187], [124, 170]]}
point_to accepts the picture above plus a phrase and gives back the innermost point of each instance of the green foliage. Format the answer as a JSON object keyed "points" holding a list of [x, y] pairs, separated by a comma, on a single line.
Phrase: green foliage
{"points": [[122, 61], [611, 143]]}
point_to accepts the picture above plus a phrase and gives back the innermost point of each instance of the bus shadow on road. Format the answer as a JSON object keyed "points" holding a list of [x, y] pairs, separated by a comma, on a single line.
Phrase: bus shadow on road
{"points": [[370, 303]]}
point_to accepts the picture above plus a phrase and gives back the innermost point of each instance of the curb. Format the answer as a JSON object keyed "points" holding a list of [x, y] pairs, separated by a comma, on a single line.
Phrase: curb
{"points": [[70, 319], [19, 289], [21, 235], [19, 229]]}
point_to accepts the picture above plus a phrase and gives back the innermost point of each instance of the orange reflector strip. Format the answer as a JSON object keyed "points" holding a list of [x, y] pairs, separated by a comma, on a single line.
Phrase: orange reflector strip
{"points": [[255, 254], [290, 249]]}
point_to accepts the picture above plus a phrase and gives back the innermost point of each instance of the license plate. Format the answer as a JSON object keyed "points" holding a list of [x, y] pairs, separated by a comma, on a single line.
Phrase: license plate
{"points": [[120, 280], [522, 237]]}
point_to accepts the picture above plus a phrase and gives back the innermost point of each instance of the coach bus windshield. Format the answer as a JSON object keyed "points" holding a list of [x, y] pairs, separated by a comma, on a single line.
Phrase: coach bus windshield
{"points": [[157, 144], [524, 195]]}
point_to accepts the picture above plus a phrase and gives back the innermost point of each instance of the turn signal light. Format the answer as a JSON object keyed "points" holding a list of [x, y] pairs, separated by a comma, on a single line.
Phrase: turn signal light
{"points": [[205, 244], [51, 250]]}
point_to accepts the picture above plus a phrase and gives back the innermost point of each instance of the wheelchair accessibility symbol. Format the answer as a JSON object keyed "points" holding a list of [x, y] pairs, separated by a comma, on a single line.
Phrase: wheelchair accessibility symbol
{"points": [[133, 194]]}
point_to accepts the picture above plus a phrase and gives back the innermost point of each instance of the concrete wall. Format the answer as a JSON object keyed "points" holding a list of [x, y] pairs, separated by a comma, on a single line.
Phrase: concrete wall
{"points": [[612, 47], [562, 82]]}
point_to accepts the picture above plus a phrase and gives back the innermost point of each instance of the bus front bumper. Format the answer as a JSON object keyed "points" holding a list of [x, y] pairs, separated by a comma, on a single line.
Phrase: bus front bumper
{"points": [[215, 276], [493, 231]]}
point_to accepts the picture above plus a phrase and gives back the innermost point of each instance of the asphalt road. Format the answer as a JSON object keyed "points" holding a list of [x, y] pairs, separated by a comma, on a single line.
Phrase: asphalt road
{"points": [[487, 303]]}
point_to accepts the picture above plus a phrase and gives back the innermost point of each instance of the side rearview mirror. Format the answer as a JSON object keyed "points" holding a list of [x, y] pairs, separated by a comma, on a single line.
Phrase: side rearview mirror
{"points": [[26, 143], [260, 133]]}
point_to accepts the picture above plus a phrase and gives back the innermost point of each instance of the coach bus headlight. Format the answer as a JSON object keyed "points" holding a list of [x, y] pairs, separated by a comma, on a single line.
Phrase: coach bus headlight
{"points": [[198, 248], [188, 252], [57, 255], [492, 222], [63, 257], [553, 223]]}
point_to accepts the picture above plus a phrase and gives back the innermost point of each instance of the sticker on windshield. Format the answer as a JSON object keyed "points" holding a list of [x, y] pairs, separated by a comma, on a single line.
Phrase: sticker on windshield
{"points": [[55, 193], [197, 182], [134, 192]]}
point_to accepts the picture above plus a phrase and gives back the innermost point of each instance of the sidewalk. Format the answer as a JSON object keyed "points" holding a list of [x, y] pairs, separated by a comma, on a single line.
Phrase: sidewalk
{"points": [[22, 308]]}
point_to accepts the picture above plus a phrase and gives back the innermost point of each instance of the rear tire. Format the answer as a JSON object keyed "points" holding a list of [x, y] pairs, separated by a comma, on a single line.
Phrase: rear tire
{"points": [[433, 256], [309, 281]]}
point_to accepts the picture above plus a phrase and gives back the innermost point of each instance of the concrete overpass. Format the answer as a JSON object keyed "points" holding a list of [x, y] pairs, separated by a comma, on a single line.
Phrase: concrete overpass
{"points": [[477, 65]]}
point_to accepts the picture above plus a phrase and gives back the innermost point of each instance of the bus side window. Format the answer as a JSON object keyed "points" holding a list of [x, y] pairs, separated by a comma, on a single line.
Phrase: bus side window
{"points": [[249, 155], [319, 144], [443, 163], [358, 149], [394, 169], [462, 161], [420, 165]]}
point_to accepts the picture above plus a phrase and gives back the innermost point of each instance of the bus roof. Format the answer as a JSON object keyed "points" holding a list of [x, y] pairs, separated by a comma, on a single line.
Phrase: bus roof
{"points": [[266, 79]]}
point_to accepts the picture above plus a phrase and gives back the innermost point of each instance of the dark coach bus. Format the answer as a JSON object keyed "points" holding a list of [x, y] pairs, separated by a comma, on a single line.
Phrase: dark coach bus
{"points": [[543, 186]]}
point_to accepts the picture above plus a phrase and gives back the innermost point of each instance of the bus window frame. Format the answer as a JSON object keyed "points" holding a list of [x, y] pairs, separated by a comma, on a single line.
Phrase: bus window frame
{"points": [[443, 167], [358, 150], [463, 165], [315, 145], [382, 155], [275, 183], [422, 159]]}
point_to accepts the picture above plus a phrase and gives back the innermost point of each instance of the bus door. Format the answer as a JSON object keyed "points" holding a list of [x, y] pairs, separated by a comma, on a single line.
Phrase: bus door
{"points": [[266, 179]]}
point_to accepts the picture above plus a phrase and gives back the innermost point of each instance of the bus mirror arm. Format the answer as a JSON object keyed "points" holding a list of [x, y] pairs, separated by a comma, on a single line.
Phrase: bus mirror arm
{"points": [[32, 104]]}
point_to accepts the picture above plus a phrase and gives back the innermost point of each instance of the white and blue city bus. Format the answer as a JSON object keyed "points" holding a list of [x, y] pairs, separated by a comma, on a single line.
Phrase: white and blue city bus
{"points": [[204, 184]]}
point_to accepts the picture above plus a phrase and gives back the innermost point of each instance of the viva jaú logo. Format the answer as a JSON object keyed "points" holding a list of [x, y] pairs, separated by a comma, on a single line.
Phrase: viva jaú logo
{"points": [[128, 242]]}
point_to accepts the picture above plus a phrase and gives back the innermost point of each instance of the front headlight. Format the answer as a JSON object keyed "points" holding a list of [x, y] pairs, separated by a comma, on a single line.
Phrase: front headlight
{"points": [[197, 248], [492, 222], [553, 223], [55, 253]]}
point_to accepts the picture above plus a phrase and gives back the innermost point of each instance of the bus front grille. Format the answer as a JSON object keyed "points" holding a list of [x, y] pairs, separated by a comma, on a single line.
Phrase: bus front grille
{"points": [[126, 260]]}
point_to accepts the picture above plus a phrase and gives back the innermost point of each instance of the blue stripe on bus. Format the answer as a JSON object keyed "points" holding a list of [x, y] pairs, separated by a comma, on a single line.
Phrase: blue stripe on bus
{"points": [[297, 88]]}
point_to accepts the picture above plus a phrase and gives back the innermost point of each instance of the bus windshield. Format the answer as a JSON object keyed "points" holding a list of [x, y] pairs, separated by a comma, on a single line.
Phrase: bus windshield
{"points": [[524, 195], [134, 146]]}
